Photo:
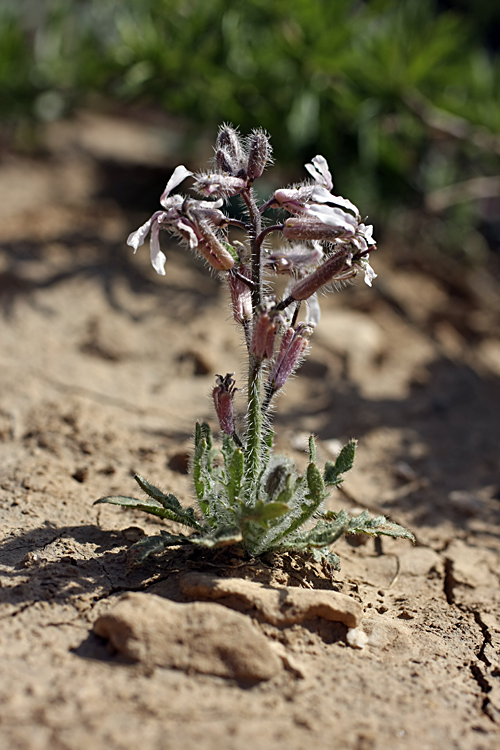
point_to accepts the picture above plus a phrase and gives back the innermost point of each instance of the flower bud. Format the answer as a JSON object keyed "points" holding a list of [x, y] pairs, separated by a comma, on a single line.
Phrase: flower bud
{"points": [[229, 154], [264, 333], [334, 267], [241, 296], [309, 228], [293, 199], [291, 350], [258, 154], [222, 185], [223, 161], [212, 248], [299, 259], [223, 395]]}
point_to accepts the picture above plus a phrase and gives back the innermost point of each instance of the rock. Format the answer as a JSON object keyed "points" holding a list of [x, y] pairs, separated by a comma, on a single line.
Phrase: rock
{"points": [[200, 636], [356, 638], [279, 606]]}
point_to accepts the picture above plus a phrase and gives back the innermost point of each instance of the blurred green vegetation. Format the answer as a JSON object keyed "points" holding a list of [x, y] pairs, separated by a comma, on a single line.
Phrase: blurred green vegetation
{"points": [[401, 96]]}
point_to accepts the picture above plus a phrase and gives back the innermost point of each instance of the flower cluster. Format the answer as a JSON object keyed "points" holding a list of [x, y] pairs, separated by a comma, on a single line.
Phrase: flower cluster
{"points": [[325, 241]]}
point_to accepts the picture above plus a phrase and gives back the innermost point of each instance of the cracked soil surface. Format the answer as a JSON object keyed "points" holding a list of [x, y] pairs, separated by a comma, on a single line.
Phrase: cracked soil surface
{"points": [[104, 369]]}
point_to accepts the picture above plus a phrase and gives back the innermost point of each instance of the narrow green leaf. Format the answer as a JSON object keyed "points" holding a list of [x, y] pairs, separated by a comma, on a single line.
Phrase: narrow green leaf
{"points": [[312, 449], [377, 526], [167, 500], [147, 506], [236, 472], [207, 434], [315, 484], [199, 484], [345, 459]]}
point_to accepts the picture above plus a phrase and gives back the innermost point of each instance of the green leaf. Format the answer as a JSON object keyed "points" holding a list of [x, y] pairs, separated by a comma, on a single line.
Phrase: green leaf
{"points": [[261, 513], [223, 537], [147, 506], [323, 553], [150, 545], [167, 500], [315, 483], [312, 449], [288, 491], [377, 526], [236, 470], [207, 434], [344, 463], [345, 459]]}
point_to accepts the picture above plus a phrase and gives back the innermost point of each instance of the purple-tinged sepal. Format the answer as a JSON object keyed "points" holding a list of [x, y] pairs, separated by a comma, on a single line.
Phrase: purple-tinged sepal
{"points": [[223, 396]]}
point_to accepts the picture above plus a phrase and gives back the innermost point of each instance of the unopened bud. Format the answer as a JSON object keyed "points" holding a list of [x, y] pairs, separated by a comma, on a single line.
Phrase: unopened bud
{"points": [[212, 248], [223, 395], [291, 350], [220, 185], [306, 228], [298, 259], [241, 296], [223, 161], [264, 334], [229, 153], [293, 199], [258, 154], [334, 267]]}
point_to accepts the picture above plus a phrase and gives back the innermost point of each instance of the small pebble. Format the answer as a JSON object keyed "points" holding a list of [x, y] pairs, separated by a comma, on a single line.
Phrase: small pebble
{"points": [[356, 638]]}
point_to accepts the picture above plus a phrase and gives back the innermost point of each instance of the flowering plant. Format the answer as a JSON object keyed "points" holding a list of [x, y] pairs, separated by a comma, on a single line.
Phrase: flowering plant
{"points": [[247, 495]]}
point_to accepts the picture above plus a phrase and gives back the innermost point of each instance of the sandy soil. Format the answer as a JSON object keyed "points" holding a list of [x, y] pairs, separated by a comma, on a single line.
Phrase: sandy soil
{"points": [[104, 369]]}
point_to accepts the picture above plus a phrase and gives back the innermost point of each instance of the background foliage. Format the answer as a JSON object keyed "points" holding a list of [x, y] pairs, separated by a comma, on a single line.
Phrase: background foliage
{"points": [[401, 96]]}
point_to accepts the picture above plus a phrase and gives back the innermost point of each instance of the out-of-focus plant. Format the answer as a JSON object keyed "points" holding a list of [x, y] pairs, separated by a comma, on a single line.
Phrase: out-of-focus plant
{"points": [[406, 91]]}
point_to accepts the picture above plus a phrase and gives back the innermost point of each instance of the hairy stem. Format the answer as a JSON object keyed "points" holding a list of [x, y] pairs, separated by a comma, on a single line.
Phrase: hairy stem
{"points": [[256, 244], [254, 422]]}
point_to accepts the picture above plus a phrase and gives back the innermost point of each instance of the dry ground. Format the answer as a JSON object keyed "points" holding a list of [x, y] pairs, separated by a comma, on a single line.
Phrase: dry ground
{"points": [[105, 367]]}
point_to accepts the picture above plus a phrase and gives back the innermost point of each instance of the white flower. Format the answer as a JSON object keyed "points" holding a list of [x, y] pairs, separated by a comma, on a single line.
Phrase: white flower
{"points": [[181, 216]]}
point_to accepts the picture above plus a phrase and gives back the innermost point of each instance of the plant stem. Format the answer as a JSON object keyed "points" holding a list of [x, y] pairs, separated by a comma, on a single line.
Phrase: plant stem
{"points": [[256, 243], [254, 424], [254, 410]]}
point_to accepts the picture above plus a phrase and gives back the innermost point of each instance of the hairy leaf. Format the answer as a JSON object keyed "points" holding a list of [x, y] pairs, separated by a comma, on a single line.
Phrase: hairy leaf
{"points": [[223, 537], [150, 545], [236, 470], [345, 460], [262, 513], [377, 526]]}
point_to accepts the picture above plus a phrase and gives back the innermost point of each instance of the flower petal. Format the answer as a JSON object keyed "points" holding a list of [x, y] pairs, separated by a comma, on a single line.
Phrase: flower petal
{"points": [[369, 272], [320, 172], [179, 174], [334, 217], [157, 257], [320, 195], [186, 230], [136, 239]]}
